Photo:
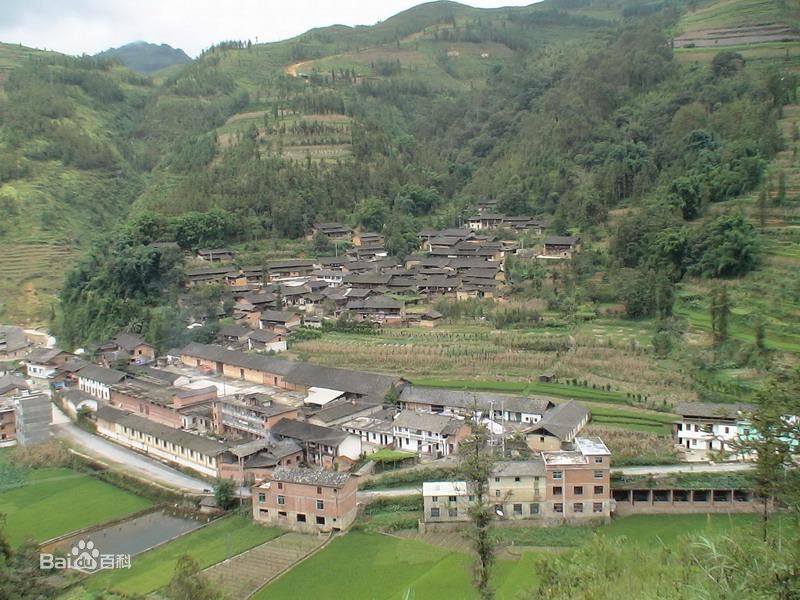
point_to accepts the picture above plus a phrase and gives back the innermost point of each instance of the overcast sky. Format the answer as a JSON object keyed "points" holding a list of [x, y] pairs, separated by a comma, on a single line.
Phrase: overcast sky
{"points": [[89, 26]]}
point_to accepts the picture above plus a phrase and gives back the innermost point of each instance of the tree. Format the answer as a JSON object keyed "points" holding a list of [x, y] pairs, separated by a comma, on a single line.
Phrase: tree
{"points": [[20, 575], [321, 244], [477, 463], [727, 63], [760, 334], [224, 493], [189, 583], [371, 214], [720, 312], [772, 440]]}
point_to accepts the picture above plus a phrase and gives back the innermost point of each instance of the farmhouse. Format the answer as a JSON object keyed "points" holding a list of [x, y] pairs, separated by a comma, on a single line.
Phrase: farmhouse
{"points": [[561, 246], [97, 381], [13, 342], [448, 501], [216, 255], [255, 460], [426, 433], [333, 231], [127, 346], [322, 446], [11, 385], [288, 270], [74, 400], [308, 500], [709, 426], [42, 363], [376, 309], [503, 407], [279, 321], [559, 425]]}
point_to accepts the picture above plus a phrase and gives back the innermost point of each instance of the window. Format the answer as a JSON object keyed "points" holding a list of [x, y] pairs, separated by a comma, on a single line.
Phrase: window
{"points": [[558, 507], [598, 489], [558, 490], [435, 498], [263, 512], [497, 493], [320, 505], [727, 430], [598, 474], [598, 460], [262, 497], [452, 512], [534, 509], [577, 507], [281, 513], [518, 509], [516, 479], [434, 513], [497, 480], [301, 518], [472, 498], [558, 474], [320, 520], [280, 485], [597, 507], [451, 498], [319, 490], [281, 500], [578, 490]]}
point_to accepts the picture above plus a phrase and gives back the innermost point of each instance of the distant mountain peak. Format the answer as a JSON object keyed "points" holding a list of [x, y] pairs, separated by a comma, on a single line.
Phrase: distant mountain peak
{"points": [[146, 57]]}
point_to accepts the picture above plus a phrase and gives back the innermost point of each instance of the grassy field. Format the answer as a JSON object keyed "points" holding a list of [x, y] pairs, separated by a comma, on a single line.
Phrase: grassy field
{"points": [[391, 568], [209, 545], [55, 501]]}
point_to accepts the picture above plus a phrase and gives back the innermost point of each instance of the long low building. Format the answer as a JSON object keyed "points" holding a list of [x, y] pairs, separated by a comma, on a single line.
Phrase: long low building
{"points": [[286, 374], [166, 443]]}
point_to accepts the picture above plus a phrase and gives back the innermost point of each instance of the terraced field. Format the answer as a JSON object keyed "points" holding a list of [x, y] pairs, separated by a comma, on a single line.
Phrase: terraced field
{"points": [[243, 575], [30, 276]]}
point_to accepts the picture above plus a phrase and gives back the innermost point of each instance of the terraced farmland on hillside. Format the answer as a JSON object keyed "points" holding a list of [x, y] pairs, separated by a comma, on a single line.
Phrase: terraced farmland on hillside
{"points": [[30, 276]]}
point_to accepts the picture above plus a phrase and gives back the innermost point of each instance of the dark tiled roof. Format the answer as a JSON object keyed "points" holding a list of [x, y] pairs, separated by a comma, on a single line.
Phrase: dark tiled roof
{"points": [[709, 410], [203, 445], [428, 422], [345, 380], [464, 400], [101, 374], [563, 421], [128, 341], [522, 468], [306, 432], [240, 359], [278, 316], [562, 240]]}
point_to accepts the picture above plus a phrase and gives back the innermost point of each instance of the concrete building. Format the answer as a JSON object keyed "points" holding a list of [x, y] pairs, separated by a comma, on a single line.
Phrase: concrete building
{"points": [[446, 501], [579, 481], [250, 415], [43, 363], [255, 460], [502, 407], [33, 415], [307, 500], [708, 426]]}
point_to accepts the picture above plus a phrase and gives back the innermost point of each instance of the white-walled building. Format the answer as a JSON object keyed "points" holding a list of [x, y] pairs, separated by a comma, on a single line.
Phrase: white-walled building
{"points": [[708, 426], [427, 433], [97, 381]]}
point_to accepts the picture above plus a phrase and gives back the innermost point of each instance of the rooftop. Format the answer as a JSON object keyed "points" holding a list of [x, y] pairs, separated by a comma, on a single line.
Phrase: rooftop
{"points": [[710, 410], [592, 446], [523, 468], [317, 477], [428, 422], [464, 400], [445, 488], [101, 374]]}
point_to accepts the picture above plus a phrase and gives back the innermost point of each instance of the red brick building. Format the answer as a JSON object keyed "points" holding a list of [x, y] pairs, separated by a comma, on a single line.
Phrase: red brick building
{"points": [[309, 500]]}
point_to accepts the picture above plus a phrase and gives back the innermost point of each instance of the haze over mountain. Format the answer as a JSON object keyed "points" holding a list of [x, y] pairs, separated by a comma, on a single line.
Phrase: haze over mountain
{"points": [[147, 58]]}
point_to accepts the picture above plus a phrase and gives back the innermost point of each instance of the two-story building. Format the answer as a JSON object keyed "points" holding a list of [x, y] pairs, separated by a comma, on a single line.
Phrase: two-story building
{"points": [[447, 501], [322, 446], [97, 381], [43, 363], [250, 415], [427, 433], [308, 500], [709, 426]]}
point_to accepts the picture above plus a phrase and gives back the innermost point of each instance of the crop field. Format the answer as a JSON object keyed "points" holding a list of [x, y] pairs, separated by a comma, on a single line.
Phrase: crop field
{"points": [[735, 13], [211, 544], [44, 503], [408, 567], [393, 568], [610, 359]]}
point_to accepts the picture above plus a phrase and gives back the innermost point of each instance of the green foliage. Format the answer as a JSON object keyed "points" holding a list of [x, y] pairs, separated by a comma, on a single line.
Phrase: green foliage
{"points": [[225, 493], [188, 583]]}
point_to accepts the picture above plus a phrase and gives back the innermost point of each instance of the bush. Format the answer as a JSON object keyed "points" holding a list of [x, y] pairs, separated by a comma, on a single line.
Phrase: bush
{"points": [[49, 454]]}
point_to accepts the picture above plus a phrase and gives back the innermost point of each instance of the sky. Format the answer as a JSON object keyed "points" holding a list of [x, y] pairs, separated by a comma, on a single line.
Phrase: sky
{"points": [[90, 26]]}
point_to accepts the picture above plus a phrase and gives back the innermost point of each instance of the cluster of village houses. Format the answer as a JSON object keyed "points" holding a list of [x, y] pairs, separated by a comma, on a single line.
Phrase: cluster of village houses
{"points": [[294, 430], [364, 284]]}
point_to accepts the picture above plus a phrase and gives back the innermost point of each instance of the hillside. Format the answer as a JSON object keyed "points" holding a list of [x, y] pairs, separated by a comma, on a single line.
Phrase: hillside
{"points": [[146, 58], [579, 112]]}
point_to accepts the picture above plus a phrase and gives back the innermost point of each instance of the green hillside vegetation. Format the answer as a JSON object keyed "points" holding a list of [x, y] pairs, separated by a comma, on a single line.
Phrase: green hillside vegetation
{"points": [[146, 58], [579, 111]]}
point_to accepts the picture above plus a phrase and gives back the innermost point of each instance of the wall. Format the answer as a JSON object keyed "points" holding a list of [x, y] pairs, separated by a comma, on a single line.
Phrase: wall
{"points": [[147, 409], [339, 510], [652, 505], [94, 388], [202, 464]]}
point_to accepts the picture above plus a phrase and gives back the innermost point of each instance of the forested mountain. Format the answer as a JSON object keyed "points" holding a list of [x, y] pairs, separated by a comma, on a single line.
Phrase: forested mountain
{"points": [[146, 58], [575, 109]]}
